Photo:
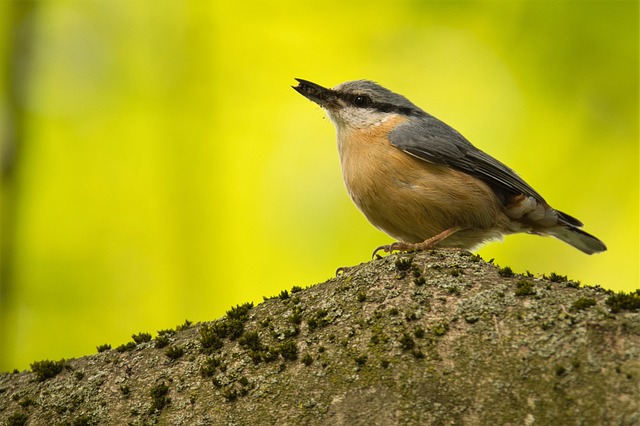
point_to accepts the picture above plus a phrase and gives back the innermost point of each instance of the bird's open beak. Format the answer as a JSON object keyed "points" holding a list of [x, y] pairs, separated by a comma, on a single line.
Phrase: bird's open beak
{"points": [[316, 93]]}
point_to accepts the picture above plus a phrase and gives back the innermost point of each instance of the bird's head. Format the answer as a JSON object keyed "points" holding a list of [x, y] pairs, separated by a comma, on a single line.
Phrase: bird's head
{"points": [[358, 104]]}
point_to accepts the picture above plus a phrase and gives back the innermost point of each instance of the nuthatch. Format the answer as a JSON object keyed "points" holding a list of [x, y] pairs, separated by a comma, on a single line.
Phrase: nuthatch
{"points": [[423, 183]]}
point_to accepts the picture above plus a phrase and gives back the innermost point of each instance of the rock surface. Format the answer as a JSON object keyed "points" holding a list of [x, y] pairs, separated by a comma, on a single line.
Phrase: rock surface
{"points": [[429, 338]]}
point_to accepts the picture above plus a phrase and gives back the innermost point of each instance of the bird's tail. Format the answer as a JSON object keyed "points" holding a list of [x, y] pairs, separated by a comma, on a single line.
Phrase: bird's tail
{"points": [[576, 237]]}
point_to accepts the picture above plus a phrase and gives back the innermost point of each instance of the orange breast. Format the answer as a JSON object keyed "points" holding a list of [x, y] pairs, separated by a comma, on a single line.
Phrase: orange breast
{"points": [[411, 199]]}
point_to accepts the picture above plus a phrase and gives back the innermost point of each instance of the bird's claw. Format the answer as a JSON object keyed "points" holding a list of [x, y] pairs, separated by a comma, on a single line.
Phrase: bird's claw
{"points": [[390, 248], [385, 248]]}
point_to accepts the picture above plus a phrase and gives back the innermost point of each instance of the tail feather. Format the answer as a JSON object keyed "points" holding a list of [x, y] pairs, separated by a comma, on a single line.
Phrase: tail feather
{"points": [[569, 219], [579, 239]]}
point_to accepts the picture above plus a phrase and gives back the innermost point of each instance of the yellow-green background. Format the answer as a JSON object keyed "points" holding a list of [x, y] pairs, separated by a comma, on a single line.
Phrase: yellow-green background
{"points": [[168, 171]]}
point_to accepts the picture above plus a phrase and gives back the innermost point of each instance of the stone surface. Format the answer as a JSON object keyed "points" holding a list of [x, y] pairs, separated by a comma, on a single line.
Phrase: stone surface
{"points": [[429, 338]]}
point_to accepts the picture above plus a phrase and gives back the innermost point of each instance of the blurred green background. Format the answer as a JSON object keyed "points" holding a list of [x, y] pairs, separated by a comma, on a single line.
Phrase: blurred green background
{"points": [[157, 166]]}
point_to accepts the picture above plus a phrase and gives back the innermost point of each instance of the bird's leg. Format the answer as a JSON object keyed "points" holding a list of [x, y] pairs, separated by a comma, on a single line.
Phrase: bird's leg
{"points": [[427, 244]]}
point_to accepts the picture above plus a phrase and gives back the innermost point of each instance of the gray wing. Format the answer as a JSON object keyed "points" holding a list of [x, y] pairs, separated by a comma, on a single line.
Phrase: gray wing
{"points": [[429, 139]]}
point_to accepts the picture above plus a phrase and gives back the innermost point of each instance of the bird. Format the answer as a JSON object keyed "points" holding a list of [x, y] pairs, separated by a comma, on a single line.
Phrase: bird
{"points": [[424, 184]]}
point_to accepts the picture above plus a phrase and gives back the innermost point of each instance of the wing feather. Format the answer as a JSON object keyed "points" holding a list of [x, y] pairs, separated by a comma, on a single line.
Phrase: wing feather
{"points": [[429, 139]]}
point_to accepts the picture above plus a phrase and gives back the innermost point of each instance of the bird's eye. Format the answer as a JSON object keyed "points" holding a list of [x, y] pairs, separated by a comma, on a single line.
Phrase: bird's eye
{"points": [[361, 101]]}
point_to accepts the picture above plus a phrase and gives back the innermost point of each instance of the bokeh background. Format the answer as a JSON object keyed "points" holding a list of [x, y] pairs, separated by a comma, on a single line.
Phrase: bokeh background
{"points": [[157, 167]]}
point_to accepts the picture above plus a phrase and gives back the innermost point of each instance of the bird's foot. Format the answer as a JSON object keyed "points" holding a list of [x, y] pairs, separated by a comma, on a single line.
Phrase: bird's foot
{"points": [[427, 244], [400, 246]]}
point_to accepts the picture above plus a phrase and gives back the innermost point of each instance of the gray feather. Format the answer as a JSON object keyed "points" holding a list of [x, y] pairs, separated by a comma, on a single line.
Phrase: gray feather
{"points": [[432, 140], [429, 139]]}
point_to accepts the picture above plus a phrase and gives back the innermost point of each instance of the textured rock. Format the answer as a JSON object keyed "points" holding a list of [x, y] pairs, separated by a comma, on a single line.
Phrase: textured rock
{"points": [[428, 338]]}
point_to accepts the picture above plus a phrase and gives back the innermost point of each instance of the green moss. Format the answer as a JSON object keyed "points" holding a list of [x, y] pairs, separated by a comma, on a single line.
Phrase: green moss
{"points": [[265, 322], [406, 341], [419, 281], [361, 296], [377, 335], [440, 329], [296, 317], [174, 352], [159, 398], [184, 326], [269, 355], [209, 339], [404, 263], [235, 328], [560, 371], [229, 393], [129, 346], [307, 359], [418, 332], [384, 363], [256, 350], [361, 360], [455, 272], [506, 272], [17, 419], [415, 269], [624, 301], [410, 316], [228, 327], [209, 367], [291, 332], [233, 325], [26, 402], [453, 290], [161, 341], [393, 312], [553, 277], [318, 319], [82, 421], [288, 350], [240, 312], [141, 338], [104, 347], [524, 288], [417, 353], [583, 303], [251, 340], [125, 390], [47, 369]]}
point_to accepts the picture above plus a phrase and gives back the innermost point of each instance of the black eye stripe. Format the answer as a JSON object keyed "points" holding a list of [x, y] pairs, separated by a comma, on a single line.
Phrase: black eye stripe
{"points": [[356, 100]]}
